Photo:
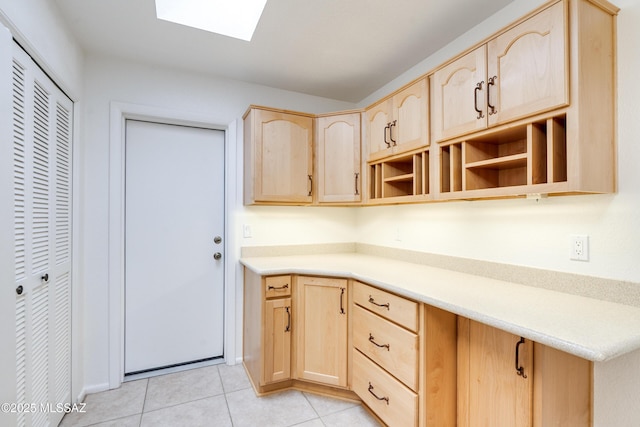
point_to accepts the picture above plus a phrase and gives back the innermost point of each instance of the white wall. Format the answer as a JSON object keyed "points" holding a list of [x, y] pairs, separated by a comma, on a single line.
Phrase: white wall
{"points": [[223, 102]]}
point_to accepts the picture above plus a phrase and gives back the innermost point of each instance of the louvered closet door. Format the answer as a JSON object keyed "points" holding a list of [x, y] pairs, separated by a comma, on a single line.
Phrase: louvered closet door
{"points": [[42, 123]]}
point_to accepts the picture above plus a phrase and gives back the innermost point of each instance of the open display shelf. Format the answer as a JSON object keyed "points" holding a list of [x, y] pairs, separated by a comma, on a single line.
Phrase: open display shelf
{"points": [[400, 178], [527, 154]]}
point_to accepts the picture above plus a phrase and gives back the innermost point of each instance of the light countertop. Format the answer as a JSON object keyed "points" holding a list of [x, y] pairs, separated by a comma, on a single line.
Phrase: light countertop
{"points": [[593, 329]]}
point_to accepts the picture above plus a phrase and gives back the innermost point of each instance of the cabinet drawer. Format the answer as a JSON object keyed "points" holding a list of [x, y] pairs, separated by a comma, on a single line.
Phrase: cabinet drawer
{"points": [[277, 286], [387, 344], [395, 404], [397, 309]]}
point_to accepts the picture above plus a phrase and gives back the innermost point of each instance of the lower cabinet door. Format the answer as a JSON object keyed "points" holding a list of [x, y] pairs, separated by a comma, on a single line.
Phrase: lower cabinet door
{"points": [[392, 401], [321, 330], [277, 340]]}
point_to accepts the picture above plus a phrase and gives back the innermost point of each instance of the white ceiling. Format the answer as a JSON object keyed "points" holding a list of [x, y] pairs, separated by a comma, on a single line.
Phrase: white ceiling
{"points": [[339, 49]]}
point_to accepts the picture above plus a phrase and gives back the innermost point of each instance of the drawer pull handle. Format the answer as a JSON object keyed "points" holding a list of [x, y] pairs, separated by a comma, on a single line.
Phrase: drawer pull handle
{"points": [[372, 340], [386, 399], [372, 301], [519, 368], [288, 328], [277, 288]]}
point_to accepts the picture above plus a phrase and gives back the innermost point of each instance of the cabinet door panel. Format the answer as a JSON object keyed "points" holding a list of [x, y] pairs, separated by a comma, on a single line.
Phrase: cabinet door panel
{"points": [[339, 174], [529, 66], [283, 149], [455, 98], [321, 328], [498, 396], [277, 344], [410, 110], [378, 118]]}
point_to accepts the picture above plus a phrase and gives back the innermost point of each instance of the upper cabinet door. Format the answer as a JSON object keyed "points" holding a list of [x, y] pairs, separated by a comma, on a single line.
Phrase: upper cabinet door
{"points": [[338, 157], [281, 147], [410, 114], [459, 96], [379, 118], [527, 67]]}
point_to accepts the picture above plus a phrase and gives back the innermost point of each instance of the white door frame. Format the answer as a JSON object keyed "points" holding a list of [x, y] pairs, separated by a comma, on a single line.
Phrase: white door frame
{"points": [[119, 112]]}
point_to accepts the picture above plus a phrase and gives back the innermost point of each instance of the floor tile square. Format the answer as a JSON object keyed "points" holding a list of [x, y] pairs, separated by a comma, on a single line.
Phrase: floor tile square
{"points": [[208, 412], [283, 409], [109, 405], [182, 387], [352, 417], [234, 378], [325, 405]]}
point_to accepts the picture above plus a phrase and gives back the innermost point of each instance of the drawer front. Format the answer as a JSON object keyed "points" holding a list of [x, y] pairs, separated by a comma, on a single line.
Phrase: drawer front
{"points": [[387, 344], [394, 403], [397, 309], [277, 286]]}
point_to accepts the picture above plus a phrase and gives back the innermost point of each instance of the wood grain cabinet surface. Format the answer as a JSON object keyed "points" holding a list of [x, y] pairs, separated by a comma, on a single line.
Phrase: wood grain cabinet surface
{"points": [[505, 380], [399, 123], [278, 157], [321, 330], [338, 148]]}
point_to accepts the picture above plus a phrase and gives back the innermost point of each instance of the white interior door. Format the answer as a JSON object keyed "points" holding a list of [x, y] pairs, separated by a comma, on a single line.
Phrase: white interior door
{"points": [[174, 210]]}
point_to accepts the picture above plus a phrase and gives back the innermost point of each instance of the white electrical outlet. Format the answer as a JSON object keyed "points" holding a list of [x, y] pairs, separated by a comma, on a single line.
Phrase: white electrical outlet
{"points": [[246, 231], [579, 247]]}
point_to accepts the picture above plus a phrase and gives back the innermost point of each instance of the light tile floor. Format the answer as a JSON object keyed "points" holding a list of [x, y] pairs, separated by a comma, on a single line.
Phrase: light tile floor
{"points": [[218, 395]]}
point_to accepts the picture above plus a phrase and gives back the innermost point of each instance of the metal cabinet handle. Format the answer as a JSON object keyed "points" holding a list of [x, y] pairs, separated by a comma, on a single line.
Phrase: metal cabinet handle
{"points": [[475, 99], [372, 340], [391, 125], [491, 82], [519, 368], [288, 328], [372, 301], [310, 185], [356, 180], [342, 301], [277, 288], [386, 399], [387, 127]]}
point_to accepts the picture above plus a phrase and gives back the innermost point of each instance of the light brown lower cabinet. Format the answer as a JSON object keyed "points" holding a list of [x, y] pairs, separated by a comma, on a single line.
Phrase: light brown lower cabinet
{"points": [[410, 363], [321, 330], [505, 380]]}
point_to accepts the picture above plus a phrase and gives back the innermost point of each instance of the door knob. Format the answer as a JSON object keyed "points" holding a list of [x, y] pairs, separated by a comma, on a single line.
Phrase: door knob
{"points": [[217, 240], [217, 256]]}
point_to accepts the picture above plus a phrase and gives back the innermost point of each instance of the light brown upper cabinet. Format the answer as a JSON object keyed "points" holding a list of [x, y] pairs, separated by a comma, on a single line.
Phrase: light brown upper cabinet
{"points": [[339, 177], [532, 110], [278, 156], [399, 123], [520, 72]]}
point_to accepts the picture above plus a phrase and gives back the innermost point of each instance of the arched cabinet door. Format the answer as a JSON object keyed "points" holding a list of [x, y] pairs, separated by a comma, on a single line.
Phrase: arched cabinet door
{"points": [[527, 67]]}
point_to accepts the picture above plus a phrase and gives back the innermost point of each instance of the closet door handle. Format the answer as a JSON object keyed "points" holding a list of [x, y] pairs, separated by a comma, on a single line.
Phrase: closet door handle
{"points": [[475, 99], [519, 369], [491, 82]]}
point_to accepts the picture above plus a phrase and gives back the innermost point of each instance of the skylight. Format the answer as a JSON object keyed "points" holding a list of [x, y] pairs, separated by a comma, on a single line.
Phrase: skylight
{"points": [[233, 18]]}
